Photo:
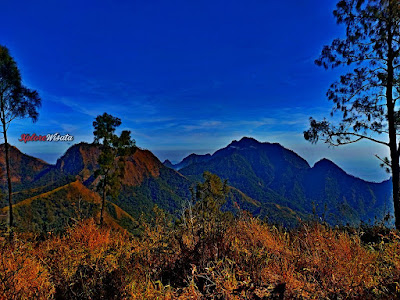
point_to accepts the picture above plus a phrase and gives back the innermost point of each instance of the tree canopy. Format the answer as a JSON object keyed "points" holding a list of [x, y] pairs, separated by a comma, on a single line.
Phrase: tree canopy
{"points": [[113, 146]]}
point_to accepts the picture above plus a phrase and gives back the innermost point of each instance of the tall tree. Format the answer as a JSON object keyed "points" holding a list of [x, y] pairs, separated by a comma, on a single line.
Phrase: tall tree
{"points": [[16, 102], [365, 97], [111, 160]]}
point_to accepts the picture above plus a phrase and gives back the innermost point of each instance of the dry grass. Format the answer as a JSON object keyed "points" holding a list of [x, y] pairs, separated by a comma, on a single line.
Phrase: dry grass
{"points": [[248, 259]]}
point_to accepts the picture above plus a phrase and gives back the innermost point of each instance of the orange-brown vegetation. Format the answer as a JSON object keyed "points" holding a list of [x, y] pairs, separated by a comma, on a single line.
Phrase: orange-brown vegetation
{"points": [[244, 259], [137, 166], [21, 164], [142, 164], [75, 190]]}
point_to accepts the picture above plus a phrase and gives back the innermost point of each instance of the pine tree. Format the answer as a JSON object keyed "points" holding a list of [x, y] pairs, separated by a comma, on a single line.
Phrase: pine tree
{"points": [[366, 96], [111, 160], [16, 102]]}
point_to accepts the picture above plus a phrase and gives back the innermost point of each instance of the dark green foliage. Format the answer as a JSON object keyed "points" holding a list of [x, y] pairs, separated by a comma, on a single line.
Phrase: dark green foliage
{"points": [[237, 203], [52, 213], [109, 172], [104, 129], [17, 101], [210, 196], [167, 191]]}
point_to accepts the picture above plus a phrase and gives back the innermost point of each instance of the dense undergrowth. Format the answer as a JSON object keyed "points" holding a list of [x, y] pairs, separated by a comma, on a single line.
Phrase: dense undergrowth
{"points": [[217, 258]]}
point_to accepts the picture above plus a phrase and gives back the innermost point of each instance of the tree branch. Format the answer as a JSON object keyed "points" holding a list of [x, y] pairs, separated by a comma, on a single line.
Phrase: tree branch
{"points": [[360, 137], [383, 161]]}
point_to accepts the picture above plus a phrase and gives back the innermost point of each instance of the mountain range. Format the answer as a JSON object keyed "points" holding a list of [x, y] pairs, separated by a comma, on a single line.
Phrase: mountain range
{"points": [[264, 178], [268, 172]]}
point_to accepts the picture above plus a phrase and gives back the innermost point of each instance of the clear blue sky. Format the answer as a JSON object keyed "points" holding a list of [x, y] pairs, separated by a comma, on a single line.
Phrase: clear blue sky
{"points": [[184, 76]]}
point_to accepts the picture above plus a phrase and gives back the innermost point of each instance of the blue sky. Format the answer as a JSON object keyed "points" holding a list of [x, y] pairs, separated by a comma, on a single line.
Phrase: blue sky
{"points": [[184, 76]]}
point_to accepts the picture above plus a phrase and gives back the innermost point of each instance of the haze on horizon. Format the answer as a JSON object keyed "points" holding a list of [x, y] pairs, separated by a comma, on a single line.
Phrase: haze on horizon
{"points": [[184, 77]]}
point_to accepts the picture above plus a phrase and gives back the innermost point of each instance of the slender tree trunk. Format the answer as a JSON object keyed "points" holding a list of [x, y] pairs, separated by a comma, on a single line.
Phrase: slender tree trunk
{"points": [[10, 211], [394, 154], [103, 202]]}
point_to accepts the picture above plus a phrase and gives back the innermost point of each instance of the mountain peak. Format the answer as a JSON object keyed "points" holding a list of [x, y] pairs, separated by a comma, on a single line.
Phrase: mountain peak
{"points": [[247, 141], [194, 155], [82, 160], [324, 163], [190, 159], [168, 164], [244, 142]]}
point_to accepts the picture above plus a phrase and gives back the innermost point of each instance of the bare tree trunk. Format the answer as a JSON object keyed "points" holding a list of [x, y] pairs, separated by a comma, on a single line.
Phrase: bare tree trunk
{"points": [[103, 202], [394, 154], [10, 211], [395, 180]]}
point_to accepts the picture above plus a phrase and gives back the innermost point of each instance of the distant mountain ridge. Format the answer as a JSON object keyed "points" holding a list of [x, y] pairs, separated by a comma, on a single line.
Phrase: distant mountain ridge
{"points": [[271, 173], [188, 160]]}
